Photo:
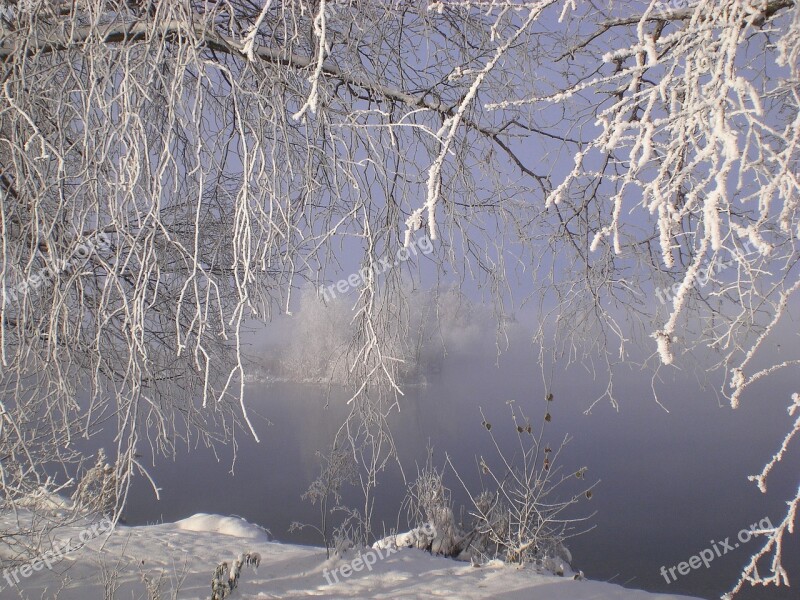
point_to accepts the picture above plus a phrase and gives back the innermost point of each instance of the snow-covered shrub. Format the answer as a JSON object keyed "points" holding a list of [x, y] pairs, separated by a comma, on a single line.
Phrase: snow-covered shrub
{"points": [[351, 532], [97, 489], [492, 523], [152, 585], [109, 579], [520, 515], [421, 538], [226, 579], [429, 502], [337, 469]]}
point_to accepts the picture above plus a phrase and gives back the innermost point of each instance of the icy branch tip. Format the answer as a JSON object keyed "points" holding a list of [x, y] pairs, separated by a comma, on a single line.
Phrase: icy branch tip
{"points": [[664, 342]]}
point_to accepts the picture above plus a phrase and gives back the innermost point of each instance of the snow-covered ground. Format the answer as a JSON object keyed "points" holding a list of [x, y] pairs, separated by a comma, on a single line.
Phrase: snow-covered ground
{"points": [[181, 558]]}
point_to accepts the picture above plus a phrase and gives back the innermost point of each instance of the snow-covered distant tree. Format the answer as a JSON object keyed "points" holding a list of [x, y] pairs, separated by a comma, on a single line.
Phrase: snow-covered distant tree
{"points": [[316, 348], [170, 169], [319, 343]]}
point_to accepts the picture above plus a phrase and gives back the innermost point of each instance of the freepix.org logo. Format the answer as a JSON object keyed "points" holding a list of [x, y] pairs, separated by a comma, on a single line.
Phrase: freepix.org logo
{"points": [[379, 551], [717, 550], [667, 6], [52, 556], [379, 268], [57, 268]]}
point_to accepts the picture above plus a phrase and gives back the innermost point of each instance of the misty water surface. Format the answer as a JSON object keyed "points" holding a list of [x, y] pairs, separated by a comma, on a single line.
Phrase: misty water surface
{"points": [[670, 482]]}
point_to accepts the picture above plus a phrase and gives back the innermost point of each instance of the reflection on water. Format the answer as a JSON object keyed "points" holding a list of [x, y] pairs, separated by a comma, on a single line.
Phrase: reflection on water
{"points": [[671, 483]]}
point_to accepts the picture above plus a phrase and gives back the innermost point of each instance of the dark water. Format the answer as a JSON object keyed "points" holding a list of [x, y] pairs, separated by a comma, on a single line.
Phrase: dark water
{"points": [[671, 483]]}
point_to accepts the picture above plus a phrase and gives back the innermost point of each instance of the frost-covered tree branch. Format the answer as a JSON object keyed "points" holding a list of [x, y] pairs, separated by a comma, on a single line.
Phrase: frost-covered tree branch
{"points": [[171, 171], [690, 179]]}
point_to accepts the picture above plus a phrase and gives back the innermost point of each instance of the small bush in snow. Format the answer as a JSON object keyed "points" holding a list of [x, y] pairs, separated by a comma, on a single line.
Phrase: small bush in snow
{"points": [[97, 490], [337, 468], [226, 579], [429, 501], [520, 514]]}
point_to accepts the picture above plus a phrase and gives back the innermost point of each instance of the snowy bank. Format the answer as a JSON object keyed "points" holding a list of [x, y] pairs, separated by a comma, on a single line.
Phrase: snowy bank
{"points": [[179, 559]]}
